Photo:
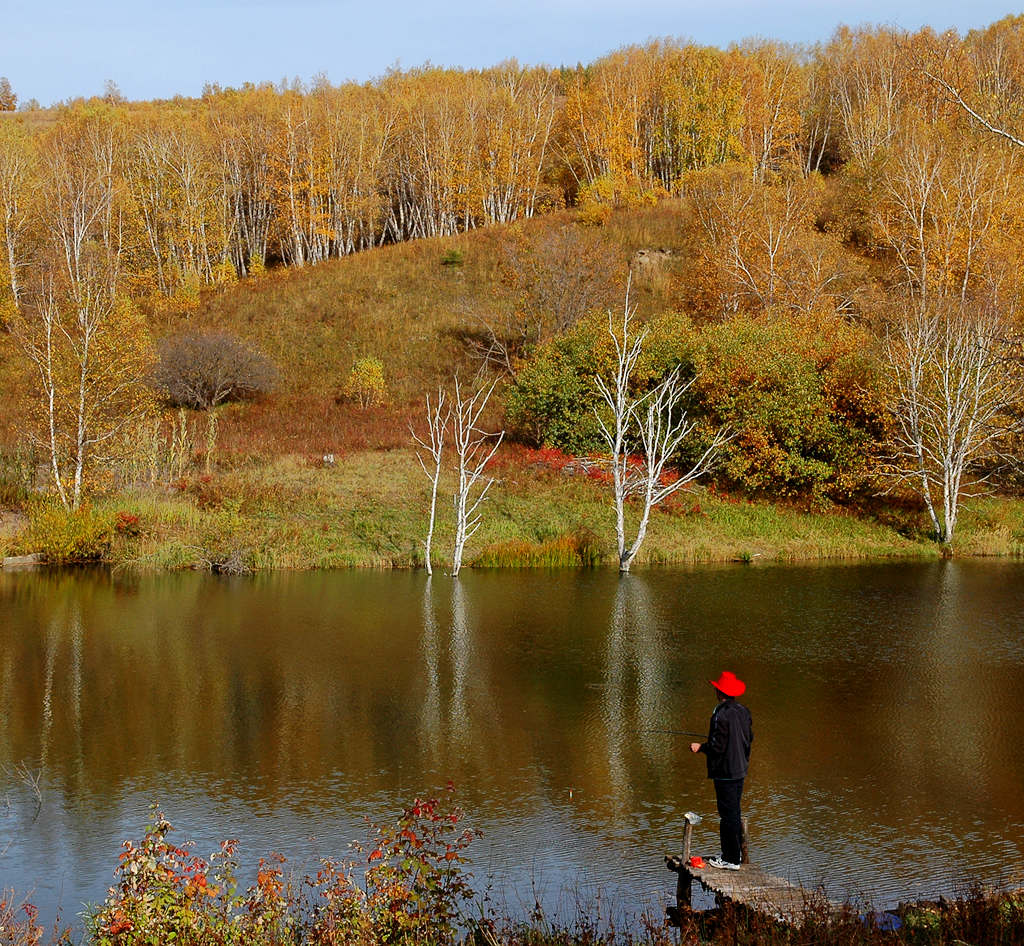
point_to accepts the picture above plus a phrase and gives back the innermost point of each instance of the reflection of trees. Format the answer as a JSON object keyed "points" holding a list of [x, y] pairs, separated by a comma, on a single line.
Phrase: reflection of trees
{"points": [[616, 658], [470, 721], [6, 698], [430, 712], [461, 653], [636, 692], [50, 643], [280, 681], [947, 690], [64, 625]]}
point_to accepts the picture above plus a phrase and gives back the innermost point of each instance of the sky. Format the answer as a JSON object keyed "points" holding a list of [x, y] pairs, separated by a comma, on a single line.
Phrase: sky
{"points": [[52, 50]]}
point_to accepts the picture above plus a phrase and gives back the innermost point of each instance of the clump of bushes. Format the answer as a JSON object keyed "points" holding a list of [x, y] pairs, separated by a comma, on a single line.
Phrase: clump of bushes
{"points": [[406, 885], [68, 537], [802, 398], [127, 524], [550, 403], [203, 370]]}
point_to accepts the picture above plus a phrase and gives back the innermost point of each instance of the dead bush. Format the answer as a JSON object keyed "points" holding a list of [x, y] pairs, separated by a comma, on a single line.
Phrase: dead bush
{"points": [[203, 370]]}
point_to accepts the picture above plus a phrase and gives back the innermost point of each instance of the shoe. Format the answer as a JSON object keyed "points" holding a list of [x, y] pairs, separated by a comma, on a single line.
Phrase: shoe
{"points": [[720, 864]]}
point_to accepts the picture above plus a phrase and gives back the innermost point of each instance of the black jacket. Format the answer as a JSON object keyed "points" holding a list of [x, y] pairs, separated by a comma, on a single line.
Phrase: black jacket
{"points": [[729, 739]]}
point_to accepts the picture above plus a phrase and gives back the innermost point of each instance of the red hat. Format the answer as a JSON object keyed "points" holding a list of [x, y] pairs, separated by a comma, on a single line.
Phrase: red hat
{"points": [[729, 684]]}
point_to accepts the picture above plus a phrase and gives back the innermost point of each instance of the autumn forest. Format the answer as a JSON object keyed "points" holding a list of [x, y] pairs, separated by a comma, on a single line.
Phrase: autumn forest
{"points": [[826, 244]]}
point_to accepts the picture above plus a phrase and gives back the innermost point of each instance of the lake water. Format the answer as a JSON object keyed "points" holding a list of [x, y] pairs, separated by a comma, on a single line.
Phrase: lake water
{"points": [[285, 710]]}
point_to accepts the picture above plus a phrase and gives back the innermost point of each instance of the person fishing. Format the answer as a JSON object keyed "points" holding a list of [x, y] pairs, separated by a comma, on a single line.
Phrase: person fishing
{"points": [[730, 736]]}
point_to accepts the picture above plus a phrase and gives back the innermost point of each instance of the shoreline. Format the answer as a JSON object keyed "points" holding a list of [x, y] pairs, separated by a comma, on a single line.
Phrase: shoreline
{"points": [[369, 511]]}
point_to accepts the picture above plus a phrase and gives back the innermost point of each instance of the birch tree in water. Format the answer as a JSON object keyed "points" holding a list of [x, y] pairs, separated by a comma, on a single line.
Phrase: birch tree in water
{"points": [[643, 434], [957, 397], [474, 449], [429, 452]]}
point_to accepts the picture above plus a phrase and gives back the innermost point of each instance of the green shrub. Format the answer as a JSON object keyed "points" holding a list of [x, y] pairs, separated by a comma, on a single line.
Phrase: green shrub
{"points": [[802, 398], [549, 405], [552, 401], [67, 537]]}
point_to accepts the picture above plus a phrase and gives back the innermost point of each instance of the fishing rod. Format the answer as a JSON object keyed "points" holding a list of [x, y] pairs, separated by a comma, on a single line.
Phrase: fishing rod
{"points": [[679, 732]]}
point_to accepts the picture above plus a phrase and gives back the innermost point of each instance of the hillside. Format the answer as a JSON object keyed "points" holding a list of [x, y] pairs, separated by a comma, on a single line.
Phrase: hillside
{"points": [[264, 498], [824, 249], [403, 305]]}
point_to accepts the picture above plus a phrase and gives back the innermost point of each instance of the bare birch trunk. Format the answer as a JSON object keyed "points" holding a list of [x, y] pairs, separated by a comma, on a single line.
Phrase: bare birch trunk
{"points": [[473, 451], [957, 396], [438, 419], [654, 424]]}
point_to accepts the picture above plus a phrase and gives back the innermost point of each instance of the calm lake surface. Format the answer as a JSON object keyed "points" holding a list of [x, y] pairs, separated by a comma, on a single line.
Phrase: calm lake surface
{"points": [[888, 705]]}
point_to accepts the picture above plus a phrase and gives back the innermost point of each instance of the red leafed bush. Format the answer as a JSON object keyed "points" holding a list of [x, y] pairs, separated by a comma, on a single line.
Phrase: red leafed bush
{"points": [[127, 523], [410, 890]]}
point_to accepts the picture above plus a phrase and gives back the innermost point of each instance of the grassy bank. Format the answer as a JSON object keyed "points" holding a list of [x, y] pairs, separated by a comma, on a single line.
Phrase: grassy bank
{"points": [[369, 510]]}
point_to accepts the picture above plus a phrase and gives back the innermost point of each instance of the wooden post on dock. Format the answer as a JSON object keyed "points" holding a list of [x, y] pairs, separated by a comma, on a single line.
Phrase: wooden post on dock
{"points": [[688, 835], [684, 882]]}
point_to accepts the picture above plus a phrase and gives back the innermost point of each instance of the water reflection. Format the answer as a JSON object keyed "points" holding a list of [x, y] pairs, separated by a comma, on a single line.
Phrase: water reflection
{"points": [[636, 687], [461, 652], [283, 710], [461, 727], [430, 714]]}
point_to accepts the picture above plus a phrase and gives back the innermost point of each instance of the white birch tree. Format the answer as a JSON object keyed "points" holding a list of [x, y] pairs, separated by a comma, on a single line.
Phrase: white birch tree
{"points": [[88, 344], [474, 449], [91, 355], [429, 452], [957, 397], [654, 424], [16, 161]]}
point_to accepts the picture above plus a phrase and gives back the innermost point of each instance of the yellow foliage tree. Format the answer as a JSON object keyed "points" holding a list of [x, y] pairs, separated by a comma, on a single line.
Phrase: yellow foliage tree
{"points": [[760, 250], [91, 355], [89, 346], [366, 384]]}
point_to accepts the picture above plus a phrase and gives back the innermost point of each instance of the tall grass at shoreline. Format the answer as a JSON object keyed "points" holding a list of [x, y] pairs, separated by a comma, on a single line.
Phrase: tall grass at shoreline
{"points": [[369, 510]]}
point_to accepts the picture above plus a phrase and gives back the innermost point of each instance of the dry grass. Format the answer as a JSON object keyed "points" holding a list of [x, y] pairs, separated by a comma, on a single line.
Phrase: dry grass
{"points": [[369, 509], [398, 303]]}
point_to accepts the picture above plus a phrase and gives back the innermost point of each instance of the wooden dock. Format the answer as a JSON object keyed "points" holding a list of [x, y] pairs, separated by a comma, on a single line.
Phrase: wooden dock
{"points": [[757, 890], [750, 886]]}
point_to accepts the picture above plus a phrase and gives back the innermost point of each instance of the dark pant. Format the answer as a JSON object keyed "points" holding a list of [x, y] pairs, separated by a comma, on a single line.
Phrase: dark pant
{"points": [[728, 792]]}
